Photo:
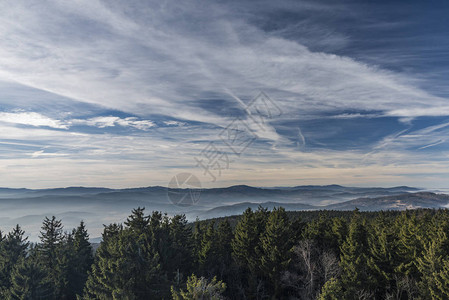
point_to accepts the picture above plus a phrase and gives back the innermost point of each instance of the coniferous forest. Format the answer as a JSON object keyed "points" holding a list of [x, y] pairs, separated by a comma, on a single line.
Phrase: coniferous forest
{"points": [[259, 255]]}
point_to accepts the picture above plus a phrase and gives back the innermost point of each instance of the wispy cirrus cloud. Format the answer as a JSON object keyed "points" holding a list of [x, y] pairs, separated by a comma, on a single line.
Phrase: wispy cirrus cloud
{"points": [[169, 61], [180, 72]]}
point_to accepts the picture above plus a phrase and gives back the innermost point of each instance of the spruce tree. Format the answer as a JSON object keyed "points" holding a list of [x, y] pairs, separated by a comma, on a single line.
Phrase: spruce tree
{"points": [[432, 265], [208, 253], [246, 253], [441, 280], [81, 259], [246, 240], [181, 246], [101, 279], [355, 276], [410, 244], [13, 247], [49, 251], [224, 237], [383, 258], [276, 246], [29, 280], [127, 266]]}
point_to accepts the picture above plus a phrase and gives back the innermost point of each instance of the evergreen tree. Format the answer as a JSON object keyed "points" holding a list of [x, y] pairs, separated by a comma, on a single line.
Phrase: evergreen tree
{"points": [[383, 259], [126, 266], [246, 252], [441, 281], [137, 221], [276, 246], [81, 259], [224, 237], [101, 279], [13, 247], [409, 243], [432, 265], [355, 276], [49, 251], [320, 231], [29, 281], [246, 240], [208, 253], [181, 246], [339, 232], [159, 228]]}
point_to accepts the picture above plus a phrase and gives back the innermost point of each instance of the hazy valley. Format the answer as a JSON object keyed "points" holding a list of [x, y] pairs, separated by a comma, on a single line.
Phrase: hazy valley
{"points": [[98, 206]]}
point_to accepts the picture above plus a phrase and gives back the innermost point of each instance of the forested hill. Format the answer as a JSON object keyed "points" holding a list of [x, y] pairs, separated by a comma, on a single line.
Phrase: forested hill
{"points": [[98, 206], [397, 202], [393, 202], [264, 255]]}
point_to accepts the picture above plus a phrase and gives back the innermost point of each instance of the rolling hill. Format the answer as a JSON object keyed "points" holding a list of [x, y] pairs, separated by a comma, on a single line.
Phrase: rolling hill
{"points": [[98, 206]]}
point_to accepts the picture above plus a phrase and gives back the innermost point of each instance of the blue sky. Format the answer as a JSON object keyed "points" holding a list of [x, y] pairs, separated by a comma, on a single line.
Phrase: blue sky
{"points": [[129, 93]]}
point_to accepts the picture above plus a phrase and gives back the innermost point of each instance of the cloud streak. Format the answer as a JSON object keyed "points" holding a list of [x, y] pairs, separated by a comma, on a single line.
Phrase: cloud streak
{"points": [[162, 79]]}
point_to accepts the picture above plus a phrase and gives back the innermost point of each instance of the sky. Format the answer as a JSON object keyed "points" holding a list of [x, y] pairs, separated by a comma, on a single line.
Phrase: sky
{"points": [[131, 93]]}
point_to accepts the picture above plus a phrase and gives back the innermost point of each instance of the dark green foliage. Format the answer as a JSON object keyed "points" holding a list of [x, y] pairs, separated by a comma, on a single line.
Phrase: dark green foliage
{"points": [[29, 281], [354, 258], [12, 249], [246, 241], [126, 266], [276, 247], [53, 256], [81, 259], [259, 255]]}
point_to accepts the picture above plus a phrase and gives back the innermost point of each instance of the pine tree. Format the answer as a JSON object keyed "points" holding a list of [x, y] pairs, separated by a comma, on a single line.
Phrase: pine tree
{"points": [[101, 279], [50, 253], [208, 253], [246, 252], [410, 244], [441, 280], [13, 247], [339, 232], [354, 258], [320, 231], [29, 280], [276, 247], [137, 221], [197, 237], [383, 259], [246, 240], [159, 228], [224, 237], [432, 264], [81, 259], [126, 266], [181, 245]]}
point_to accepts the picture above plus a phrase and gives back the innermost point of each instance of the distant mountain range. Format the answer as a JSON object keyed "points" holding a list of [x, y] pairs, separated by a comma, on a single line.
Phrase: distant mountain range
{"points": [[396, 202], [98, 206]]}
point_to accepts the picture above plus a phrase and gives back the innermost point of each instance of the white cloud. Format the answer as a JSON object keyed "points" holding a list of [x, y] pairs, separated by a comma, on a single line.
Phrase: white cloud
{"points": [[434, 111], [174, 123], [111, 121], [145, 60], [148, 58], [32, 119]]}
